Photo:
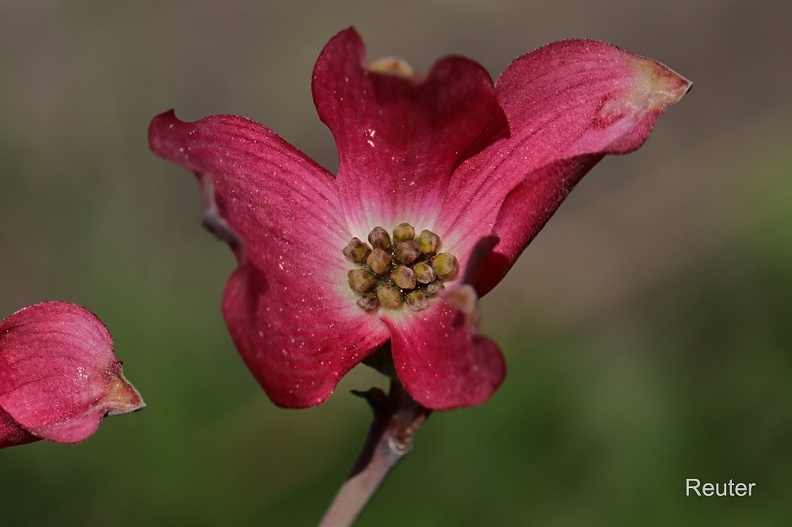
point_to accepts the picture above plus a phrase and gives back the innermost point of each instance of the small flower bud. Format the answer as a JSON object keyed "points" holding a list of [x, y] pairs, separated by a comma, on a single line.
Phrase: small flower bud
{"points": [[403, 277], [361, 280], [379, 261], [427, 242], [417, 300], [423, 272], [434, 287], [357, 251], [379, 238], [369, 302], [406, 252], [389, 296], [445, 265], [403, 232]]}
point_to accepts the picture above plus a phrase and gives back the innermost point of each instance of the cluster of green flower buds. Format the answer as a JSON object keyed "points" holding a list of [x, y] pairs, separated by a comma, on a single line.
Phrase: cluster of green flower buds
{"points": [[403, 268]]}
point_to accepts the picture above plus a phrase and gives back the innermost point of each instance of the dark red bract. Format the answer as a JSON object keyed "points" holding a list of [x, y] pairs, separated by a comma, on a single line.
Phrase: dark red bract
{"points": [[472, 161]]}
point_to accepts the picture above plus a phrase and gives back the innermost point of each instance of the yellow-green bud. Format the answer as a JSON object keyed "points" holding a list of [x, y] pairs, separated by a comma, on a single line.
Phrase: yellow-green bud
{"points": [[417, 300], [445, 265], [403, 232], [406, 252], [389, 296], [427, 242], [369, 302], [357, 251], [379, 238], [379, 261], [423, 272], [361, 280], [403, 277]]}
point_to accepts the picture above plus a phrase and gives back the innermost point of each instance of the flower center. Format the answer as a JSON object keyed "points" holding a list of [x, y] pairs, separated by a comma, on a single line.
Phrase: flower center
{"points": [[404, 268]]}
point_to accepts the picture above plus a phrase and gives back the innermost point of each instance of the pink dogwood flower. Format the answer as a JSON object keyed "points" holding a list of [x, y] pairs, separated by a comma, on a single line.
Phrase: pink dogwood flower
{"points": [[58, 375], [443, 180]]}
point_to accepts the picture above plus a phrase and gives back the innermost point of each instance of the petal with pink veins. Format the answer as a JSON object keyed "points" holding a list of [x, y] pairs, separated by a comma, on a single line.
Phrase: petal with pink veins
{"points": [[288, 307], [440, 357], [567, 105], [399, 135]]}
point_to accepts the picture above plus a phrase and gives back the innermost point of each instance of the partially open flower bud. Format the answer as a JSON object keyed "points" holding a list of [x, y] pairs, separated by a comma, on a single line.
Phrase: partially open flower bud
{"points": [[58, 375]]}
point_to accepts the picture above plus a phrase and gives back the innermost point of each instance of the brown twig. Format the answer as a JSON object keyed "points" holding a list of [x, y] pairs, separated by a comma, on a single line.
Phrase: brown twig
{"points": [[397, 417]]}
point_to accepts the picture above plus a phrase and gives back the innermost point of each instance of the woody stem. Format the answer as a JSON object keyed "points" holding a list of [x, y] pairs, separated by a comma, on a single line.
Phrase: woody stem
{"points": [[397, 417]]}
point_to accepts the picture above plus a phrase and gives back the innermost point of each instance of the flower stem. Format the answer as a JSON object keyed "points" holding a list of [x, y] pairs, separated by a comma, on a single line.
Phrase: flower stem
{"points": [[397, 417]]}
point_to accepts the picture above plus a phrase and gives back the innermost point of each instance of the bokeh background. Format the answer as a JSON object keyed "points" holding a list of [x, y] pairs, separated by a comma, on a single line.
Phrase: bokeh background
{"points": [[647, 327]]}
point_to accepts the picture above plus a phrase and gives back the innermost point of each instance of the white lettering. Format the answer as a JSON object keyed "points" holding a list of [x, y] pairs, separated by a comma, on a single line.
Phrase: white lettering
{"points": [[730, 488], [693, 484]]}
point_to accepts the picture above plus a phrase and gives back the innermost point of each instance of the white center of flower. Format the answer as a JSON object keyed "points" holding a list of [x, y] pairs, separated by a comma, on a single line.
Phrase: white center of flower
{"points": [[401, 269]]}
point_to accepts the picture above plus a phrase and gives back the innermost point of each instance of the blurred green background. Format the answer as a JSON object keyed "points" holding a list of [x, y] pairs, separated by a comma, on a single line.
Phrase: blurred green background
{"points": [[646, 329]]}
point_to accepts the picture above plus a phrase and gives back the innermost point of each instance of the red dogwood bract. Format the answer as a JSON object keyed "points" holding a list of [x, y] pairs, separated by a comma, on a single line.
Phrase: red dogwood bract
{"points": [[58, 375], [475, 167]]}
